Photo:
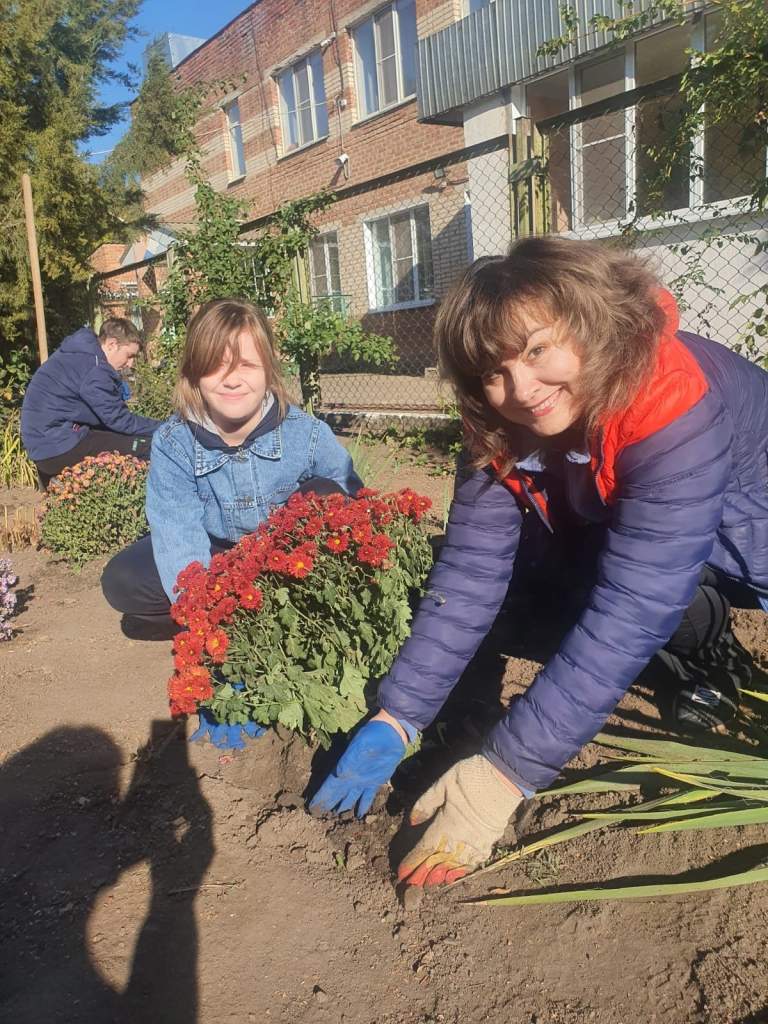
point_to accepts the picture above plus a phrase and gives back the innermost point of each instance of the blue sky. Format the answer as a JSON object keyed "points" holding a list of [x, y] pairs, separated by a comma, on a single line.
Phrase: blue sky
{"points": [[193, 18]]}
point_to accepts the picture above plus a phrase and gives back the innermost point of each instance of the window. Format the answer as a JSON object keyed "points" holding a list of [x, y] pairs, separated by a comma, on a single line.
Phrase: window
{"points": [[303, 109], [399, 249], [600, 146], [235, 141], [325, 279], [657, 120], [606, 168], [385, 51]]}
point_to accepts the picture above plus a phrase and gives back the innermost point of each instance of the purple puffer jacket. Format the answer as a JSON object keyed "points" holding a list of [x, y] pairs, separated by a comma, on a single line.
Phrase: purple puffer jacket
{"points": [[694, 492]]}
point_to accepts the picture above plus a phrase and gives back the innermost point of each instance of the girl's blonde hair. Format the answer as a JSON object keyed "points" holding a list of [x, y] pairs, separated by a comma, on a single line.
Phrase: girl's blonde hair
{"points": [[602, 297], [212, 339]]}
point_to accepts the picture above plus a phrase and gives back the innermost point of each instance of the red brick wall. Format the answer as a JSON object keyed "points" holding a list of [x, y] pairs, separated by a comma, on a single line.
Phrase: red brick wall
{"points": [[107, 257], [245, 55]]}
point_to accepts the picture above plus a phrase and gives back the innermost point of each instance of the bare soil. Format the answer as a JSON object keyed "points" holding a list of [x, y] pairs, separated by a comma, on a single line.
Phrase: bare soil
{"points": [[143, 878]]}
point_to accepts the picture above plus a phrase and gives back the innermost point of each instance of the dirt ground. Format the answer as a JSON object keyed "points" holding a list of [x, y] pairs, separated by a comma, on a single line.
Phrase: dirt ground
{"points": [[145, 879]]}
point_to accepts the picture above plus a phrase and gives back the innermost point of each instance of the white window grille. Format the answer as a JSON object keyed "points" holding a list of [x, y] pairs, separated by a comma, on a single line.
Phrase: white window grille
{"points": [[399, 259], [303, 108], [325, 275], [235, 148], [385, 57]]}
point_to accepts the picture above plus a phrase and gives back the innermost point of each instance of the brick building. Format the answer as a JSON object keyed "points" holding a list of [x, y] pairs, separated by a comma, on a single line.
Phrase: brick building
{"points": [[321, 94]]}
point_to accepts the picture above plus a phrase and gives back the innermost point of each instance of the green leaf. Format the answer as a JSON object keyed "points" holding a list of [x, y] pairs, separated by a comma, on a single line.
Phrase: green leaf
{"points": [[287, 616], [757, 694], [631, 892], [281, 595], [728, 789], [731, 817], [562, 836], [666, 749], [352, 681], [646, 815], [291, 715]]}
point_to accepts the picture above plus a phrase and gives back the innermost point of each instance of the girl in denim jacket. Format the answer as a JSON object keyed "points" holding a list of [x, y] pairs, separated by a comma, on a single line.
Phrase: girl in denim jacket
{"points": [[234, 449]]}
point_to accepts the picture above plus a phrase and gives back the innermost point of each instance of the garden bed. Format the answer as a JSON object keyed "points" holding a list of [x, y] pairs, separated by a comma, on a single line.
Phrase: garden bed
{"points": [[147, 879]]}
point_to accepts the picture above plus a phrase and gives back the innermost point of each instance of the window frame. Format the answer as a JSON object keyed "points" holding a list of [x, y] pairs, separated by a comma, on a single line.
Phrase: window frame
{"points": [[235, 171], [337, 298], [373, 284], [696, 206], [355, 30], [283, 112], [577, 146]]}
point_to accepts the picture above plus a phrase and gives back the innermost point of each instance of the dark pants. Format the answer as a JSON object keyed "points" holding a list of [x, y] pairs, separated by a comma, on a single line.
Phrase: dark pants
{"points": [[708, 616], [131, 582], [94, 442]]}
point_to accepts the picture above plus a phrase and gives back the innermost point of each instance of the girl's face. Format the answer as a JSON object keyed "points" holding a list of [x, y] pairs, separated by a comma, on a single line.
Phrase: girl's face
{"points": [[233, 394], [538, 388]]}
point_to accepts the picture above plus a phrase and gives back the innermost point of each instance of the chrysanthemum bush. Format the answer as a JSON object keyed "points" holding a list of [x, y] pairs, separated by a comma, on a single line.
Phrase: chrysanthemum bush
{"points": [[95, 508], [293, 623], [8, 580]]}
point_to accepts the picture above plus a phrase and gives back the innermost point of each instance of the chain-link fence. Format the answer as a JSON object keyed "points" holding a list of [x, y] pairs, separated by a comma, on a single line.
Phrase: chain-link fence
{"points": [[388, 251], [618, 171]]}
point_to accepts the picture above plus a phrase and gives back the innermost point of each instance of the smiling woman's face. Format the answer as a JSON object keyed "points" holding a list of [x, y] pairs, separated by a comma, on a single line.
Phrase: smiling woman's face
{"points": [[538, 388]]}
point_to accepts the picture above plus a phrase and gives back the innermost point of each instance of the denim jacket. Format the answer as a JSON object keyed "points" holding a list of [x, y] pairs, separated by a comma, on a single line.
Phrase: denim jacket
{"points": [[194, 493]]}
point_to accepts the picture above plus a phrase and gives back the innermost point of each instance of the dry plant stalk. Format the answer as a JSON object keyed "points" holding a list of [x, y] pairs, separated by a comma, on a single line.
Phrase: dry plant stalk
{"points": [[20, 529]]}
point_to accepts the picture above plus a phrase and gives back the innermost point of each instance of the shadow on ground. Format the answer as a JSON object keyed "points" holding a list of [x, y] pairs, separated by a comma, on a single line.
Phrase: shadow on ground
{"points": [[68, 836]]}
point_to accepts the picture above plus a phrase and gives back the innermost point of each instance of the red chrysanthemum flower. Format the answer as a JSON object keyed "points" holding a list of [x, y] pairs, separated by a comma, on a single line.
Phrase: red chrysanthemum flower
{"points": [[186, 576], [313, 526], [216, 645], [219, 563], [187, 688], [276, 561], [299, 567], [337, 542], [251, 597], [362, 534]]}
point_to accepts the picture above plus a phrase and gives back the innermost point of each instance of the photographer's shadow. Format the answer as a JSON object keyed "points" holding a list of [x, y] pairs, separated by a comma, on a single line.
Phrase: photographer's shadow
{"points": [[67, 838]]}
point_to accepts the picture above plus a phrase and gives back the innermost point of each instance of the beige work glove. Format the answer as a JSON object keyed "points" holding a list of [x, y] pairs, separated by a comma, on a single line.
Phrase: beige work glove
{"points": [[470, 806]]}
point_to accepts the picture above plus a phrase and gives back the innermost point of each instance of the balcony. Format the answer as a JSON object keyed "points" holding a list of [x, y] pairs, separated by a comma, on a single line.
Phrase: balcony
{"points": [[497, 47]]}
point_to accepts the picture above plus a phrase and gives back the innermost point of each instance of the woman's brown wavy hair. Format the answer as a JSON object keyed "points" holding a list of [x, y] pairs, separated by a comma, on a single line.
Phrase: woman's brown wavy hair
{"points": [[601, 296], [211, 340]]}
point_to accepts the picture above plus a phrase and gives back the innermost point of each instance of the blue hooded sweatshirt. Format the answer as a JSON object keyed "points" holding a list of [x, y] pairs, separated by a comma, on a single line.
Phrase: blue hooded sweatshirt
{"points": [[74, 390]]}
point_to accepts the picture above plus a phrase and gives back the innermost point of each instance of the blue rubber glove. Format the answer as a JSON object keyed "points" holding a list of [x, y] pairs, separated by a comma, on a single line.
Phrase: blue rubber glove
{"points": [[225, 737], [368, 762], [125, 390]]}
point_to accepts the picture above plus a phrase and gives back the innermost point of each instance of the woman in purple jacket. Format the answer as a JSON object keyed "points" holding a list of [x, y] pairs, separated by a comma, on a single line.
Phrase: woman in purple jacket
{"points": [[586, 413]]}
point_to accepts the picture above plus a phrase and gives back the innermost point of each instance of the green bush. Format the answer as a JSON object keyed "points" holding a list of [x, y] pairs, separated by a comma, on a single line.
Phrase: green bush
{"points": [[153, 389], [16, 468], [95, 508], [16, 368]]}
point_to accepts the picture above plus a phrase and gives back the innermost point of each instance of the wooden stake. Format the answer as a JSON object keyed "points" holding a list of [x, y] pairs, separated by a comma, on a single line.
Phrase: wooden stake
{"points": [[34, 263]]}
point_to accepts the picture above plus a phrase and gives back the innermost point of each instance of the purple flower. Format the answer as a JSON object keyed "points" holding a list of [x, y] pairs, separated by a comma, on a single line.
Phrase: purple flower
{"points": [[8, 580]]}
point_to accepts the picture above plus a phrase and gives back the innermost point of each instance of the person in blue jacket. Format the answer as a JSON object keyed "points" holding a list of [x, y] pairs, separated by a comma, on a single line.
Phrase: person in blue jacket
{"points": [[74, 404], [588, 415], [234, 450]]}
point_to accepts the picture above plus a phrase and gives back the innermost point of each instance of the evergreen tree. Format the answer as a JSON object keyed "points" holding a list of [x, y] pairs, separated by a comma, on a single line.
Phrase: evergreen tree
{"points": [[154, 136], [54, 57]]}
